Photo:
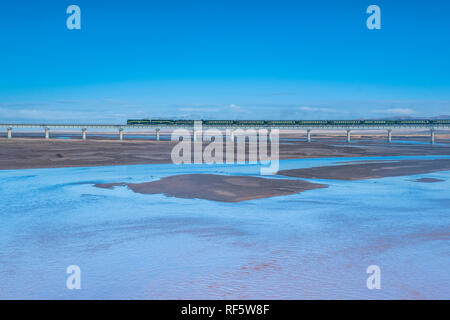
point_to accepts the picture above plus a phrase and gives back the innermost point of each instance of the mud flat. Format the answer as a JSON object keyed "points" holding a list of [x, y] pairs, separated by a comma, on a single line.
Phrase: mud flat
{"points": [[24, 153], [37, 153], [370, 170], [219, 187]]}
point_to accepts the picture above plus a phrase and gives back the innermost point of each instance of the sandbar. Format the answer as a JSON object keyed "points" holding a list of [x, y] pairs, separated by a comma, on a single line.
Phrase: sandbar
{"points": [[370, 170], [219, 187]]}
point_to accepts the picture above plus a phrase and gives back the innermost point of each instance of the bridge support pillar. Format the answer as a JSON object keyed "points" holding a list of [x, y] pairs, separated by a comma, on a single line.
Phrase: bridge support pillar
{"points": [[349, 135], [197, 135], [121, 134], [9, 133], [308, 135], [47, 133], [83, 133], [232, 136], [432, 136], [157, 134], [198, 131], [389, 137]]}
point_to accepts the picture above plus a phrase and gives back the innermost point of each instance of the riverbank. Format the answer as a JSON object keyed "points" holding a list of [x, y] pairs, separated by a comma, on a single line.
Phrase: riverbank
{"points": [[27, 153]]}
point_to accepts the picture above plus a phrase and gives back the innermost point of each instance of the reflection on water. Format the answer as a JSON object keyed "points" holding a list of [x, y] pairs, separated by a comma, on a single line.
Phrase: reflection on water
{"points": [[317, 244]]}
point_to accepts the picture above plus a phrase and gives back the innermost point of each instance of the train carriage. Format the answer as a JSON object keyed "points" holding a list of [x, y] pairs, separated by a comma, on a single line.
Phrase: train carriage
{"points": [[281, 122], [162, 122], [441, 121], [417, 122], [344, 122], [250, 123], [378, 122], [138, 122], [312, 122], [218, 122], [184, 122]]}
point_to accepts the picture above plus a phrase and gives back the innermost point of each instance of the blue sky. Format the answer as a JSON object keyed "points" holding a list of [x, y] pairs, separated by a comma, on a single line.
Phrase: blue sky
{"points": [[223, 59]]}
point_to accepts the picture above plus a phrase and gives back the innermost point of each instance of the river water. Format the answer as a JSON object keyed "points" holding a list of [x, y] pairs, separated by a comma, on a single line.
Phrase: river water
{"points": [[317, 244]]}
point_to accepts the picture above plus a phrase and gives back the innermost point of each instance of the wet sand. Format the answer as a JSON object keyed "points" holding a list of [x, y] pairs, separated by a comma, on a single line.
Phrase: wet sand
{"points": [[23, 153], [219, 187], [370, 170], [37, 153], [428, 180]]}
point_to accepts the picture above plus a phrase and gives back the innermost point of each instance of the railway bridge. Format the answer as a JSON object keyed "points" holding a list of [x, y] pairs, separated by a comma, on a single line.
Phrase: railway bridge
{"points": [[197, 126]]}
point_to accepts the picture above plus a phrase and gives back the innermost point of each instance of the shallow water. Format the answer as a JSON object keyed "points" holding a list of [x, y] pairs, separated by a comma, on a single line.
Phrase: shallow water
{"points": [[316, 244], [420, 142]]}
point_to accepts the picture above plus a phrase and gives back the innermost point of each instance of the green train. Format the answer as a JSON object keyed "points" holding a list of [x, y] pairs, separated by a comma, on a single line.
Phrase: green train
{"points": [[287, 123]]}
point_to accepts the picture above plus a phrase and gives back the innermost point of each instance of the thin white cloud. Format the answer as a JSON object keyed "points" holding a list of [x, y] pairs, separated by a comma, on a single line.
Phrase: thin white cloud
{"points": [[194, 109], [45, 115], [236, 109], [315, 109], [396, 111]]}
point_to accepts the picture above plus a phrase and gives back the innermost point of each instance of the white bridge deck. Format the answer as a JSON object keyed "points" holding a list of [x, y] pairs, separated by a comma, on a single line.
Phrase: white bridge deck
{"points": [[266, 126], [199, 126]]}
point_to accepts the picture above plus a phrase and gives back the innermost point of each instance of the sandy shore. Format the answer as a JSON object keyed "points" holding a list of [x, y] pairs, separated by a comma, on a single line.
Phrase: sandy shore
{"points": [[23, 153], [370, 170], [219, 187]]}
